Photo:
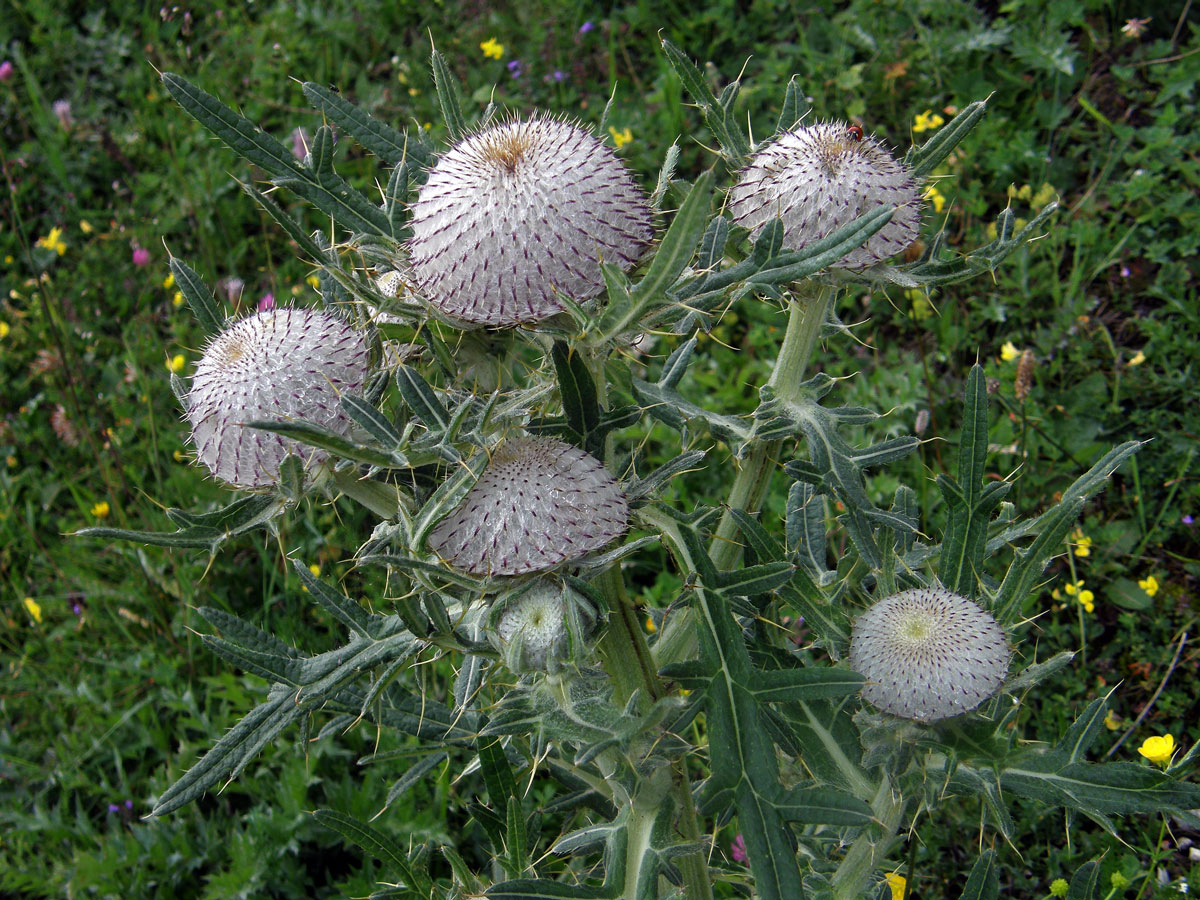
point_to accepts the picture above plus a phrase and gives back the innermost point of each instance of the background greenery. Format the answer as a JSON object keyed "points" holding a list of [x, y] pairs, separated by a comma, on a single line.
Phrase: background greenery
{"points": [[108, 695]]}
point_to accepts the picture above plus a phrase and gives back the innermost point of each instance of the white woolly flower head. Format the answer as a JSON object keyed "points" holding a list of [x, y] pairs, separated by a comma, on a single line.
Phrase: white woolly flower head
{"points": [[928, 654], [283, 364], [518, 213], [540, 502], [536, 628], [820, 177]]}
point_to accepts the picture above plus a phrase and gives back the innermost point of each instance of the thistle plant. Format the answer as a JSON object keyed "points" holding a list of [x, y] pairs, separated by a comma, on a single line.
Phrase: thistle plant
{"points": [[499, 452]]}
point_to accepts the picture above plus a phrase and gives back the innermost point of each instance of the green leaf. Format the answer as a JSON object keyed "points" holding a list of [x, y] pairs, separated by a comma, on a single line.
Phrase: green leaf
{"points": [[197, 536], [375, 842], [825, 806], [789, 685], [1118, 788], [720, 121], [578, 392], [372, 420], [392, 146], [751, 580], [447, 92], [243, 633], [1083, 731], [924, 159], [294, 229], [793, 266], [199, 297], [273, 667], [497, 774], [317, 436], [790, 113], [345, 610], [970, 504], [1085, 883], [421, 399], [983, 882]]}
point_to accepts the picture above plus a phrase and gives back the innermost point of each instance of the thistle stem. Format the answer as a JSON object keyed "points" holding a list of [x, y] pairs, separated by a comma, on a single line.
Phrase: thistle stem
{"points": [[807, 315], [869, 849]]}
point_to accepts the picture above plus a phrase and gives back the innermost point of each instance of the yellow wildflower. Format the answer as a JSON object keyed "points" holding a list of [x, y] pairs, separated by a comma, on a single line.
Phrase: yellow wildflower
{"points": [[177, 300], [1083, 543], [927, 121], [1158, 750], [1149, 584], [934, 196], [650, 626], [1138, 359], [86, 227], [314, 282], [1112, 721], [176, 363], [8, 259], [101, 510], [1009, 351], [620, 138], [492, 48], [1059, 887], [35, 610], [169, 281], [179, 457], [315, 568], [897, 883], [1085, 597], [1044, 195], [4, 329], [54, 241]]}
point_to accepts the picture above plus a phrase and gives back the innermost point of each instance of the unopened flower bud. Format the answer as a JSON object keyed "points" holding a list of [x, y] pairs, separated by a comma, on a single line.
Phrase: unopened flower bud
{"points": [[928, 654], [820, 177], [518, 214], [536, 629], [276, 366], [540, 502]]}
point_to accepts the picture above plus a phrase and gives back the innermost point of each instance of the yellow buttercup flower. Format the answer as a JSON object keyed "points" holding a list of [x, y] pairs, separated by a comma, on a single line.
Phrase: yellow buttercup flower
{"points": [[177, 300], [86, 227], [492, 48], [927, 121], [169, 281], [897, 883], [315, 568], [4, 330], [934, 196], [1149, 584], [34, 608], [176, 363], [54, 241], [1138, 359], [101, 510], [650, 626], [314, 282], [1083, 543], [620, 138], [1158, 750], [1009, 351], [1112, 721]]}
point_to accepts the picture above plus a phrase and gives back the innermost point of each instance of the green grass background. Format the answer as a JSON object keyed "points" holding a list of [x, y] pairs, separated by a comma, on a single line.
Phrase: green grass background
{"points": [[107, 695]]}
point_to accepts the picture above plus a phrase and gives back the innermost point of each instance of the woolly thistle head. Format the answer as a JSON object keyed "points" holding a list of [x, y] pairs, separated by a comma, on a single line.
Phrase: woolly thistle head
{"points": [[536, 628], [280, 365], [540, 502], [821, 177], [928, 654], [519, 213]]}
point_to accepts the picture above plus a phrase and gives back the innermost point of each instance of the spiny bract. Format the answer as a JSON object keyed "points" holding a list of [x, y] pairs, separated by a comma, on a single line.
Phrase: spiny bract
{"points": [[540, 502], [821, 177], [519, 213], [928, 654], [281, 365]]}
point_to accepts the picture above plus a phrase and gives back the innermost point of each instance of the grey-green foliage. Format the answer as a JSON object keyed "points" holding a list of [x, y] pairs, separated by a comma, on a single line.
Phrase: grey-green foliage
{"points": [[821, 787]]}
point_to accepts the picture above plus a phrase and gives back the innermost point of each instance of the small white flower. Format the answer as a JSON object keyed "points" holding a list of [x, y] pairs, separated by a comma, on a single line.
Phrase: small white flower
{"points": [[928, 654], [821, 177], [540, 502], [519, 213], [277, 366]]}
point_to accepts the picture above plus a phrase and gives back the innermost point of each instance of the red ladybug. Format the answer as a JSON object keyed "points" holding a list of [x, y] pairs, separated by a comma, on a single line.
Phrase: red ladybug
{"points": [[855, 132]]}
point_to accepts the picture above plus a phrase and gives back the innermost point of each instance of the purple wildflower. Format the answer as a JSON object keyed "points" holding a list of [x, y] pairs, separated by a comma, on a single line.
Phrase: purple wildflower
{"points": [[738, 847], [1187, 520], [267, 302], [586, 27], [515, 69], [559, 75], [112, 808], [62, 111], [6, 70], [141, 256]]}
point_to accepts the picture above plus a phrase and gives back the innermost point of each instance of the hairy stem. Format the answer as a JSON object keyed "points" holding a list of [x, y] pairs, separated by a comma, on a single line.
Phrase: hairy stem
{"points": [[850, 880]]}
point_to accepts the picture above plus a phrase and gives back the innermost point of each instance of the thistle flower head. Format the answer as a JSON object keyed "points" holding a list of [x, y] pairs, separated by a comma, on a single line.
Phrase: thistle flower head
{"points": [[534, 630], [821, 177], [278, 365], [928, 654], [540, 502], [519, 213]]}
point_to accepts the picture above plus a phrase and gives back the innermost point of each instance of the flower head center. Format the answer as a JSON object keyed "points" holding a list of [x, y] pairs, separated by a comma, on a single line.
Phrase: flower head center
{"points": [[917, 628], [506, 148]]}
